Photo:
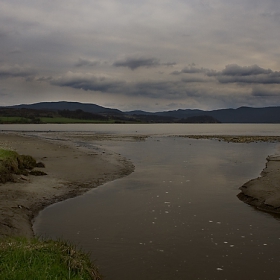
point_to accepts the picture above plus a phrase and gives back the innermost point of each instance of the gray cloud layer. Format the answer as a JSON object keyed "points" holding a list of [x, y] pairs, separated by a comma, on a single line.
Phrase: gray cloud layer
{"points": [[219, 53], [247, 74]]}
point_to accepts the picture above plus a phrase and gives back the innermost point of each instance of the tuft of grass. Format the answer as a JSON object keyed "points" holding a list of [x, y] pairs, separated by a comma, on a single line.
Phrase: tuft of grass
{"points": [[22, 258], [13, 163], [37, 173]]}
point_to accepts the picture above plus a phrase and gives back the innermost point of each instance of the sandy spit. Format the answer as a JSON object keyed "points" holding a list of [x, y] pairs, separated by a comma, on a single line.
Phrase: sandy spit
{"points": [[264, 192], [71, 171]]}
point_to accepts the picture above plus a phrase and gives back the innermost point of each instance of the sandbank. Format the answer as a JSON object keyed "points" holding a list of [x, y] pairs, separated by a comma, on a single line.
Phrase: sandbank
{"points": [[71, 171], [264, 192]]}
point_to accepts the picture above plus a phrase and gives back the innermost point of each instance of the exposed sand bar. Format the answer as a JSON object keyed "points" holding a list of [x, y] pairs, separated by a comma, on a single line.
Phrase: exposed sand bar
{"points": [[71, 171], [236, 138], [264, 192]]}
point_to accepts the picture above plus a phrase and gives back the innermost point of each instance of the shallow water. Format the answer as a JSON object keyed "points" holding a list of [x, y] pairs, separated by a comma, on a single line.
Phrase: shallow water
{"points": [[176, 217], [160, 129]]}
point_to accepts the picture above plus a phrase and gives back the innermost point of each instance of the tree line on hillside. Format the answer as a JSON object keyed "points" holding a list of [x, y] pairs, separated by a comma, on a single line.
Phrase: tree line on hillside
{"points": [[26, 115]]}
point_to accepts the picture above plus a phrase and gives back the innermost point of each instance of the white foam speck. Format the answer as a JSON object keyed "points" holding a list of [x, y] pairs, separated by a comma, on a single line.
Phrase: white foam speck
{"points": [[225, 242], [218, 268], [264, 244], [210, 221]]}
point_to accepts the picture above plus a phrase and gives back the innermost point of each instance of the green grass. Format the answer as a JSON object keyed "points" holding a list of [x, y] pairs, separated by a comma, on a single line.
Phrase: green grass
{"points": [[13, 163], [6, 154], [22, 258], [14, 120]]}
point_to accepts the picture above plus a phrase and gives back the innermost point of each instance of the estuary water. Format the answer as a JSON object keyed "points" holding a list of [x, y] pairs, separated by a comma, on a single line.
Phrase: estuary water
{"points": [[177, 216]]}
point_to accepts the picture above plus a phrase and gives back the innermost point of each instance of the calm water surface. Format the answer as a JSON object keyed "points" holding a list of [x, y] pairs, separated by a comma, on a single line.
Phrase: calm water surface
{"points": [[227, 129], [176, 217]]}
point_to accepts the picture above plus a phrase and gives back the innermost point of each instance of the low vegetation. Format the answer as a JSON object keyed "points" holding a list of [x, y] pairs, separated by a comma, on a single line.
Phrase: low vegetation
{"points": [[22, 258], [40, 116], [32, 116], [11, 163]]}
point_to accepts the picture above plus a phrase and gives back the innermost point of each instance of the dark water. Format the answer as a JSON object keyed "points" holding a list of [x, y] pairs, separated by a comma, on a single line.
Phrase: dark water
{"points": [[176, 217]]}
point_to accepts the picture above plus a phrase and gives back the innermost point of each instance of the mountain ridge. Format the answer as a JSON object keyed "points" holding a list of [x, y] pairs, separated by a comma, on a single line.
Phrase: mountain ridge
{"points": [[242, 114]]}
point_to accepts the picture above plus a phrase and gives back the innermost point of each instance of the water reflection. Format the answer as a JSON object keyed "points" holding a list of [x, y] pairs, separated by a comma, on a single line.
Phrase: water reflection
{"points": [[176, 216]]}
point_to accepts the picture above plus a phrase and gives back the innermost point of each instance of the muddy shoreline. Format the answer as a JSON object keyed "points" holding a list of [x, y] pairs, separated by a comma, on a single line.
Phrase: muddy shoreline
{"points": [[72, 171], [264, 191]]}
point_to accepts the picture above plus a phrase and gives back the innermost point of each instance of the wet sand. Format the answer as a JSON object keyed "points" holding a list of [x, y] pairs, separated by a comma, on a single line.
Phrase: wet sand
{"points": [[264, 192], [71, 171]]}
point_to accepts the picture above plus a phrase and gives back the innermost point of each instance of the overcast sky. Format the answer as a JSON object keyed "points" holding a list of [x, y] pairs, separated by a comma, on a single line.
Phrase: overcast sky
{"points": [[152, 55]]}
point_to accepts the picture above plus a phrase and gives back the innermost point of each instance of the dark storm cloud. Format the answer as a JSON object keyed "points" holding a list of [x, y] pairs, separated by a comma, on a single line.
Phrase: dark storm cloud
{"points": [[191, 70], [15, 71], [137, 62], [265, 92], [236, 70], [247, 74], [151, 89], [86, 62], [90, 83], [134, 63]]}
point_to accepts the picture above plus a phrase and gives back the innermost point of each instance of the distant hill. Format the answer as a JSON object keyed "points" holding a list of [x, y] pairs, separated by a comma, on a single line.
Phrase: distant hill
{"points": [[239, 115], [71, 106]]}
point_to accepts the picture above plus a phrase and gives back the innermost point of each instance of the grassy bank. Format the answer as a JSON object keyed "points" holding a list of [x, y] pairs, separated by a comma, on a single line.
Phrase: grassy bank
{"points": [[11, 163], [22, 258]]}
